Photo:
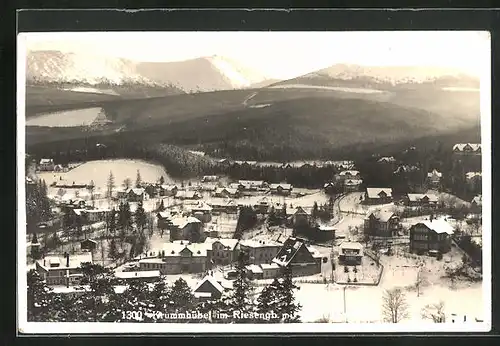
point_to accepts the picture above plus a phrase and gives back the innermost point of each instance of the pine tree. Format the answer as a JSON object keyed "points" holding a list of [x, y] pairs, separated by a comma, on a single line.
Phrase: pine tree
{"points": [[180, 296], [287, 308], [267, 302], [140, 217], [113, 250], [39, 298], [239, 301], [35, 248], [110, 185], [124, 217], [315, 211], [112, 221], [161, 207], [162, 180], [138, 179], [160, 295]]}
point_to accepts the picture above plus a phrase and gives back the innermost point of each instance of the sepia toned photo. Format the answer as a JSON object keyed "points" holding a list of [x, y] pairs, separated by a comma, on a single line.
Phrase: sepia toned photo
{"points": [[209, 182]]}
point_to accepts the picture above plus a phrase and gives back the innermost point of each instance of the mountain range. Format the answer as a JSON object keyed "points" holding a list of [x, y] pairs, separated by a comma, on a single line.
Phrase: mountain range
{"points": [[195, 75], [217, 105]]}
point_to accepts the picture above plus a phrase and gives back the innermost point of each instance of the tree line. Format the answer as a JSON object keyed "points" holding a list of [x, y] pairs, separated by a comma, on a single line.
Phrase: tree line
{"points": [[102, 303]]}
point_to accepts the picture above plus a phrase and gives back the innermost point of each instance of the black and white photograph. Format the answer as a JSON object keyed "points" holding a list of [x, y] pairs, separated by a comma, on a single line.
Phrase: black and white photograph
{"points": [[254, 181]]}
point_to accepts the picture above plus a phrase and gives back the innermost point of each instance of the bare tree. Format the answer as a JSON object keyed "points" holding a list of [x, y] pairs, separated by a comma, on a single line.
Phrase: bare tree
{"points": [[434, 312], [110, 185], [127, 183], [420, 280], [394, 307]]}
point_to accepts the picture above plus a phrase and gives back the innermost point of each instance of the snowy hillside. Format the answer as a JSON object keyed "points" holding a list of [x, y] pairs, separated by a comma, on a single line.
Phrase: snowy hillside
{"points": [[201, 74]]}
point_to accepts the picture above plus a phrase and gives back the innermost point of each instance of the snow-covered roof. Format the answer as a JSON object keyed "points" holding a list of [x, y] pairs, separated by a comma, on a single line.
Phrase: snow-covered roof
{"points": [[212, 281], [138, 275], [438, 225], [282, 185], [136, 190], [201, 206], [266, 266], [349, 172], [229, 190], [168, 187], [182, 222], [252, 243], [382, 215], [254, 268], [75, 261], [251, 182], [374, 192], [46, 161], [290, 248], [417, 197], [351, 245], [478, 200], [326, 228], [467, 146], [471, 175], [353, 182], [387, 159], [434, 173]]}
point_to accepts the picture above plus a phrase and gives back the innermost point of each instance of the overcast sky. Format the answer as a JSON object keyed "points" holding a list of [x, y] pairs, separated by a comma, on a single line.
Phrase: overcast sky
{"points": [[283, 54]]}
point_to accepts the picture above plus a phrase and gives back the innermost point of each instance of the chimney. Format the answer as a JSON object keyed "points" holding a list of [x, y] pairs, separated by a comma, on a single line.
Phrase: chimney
{"points": [[44, 262], [67, 258]]}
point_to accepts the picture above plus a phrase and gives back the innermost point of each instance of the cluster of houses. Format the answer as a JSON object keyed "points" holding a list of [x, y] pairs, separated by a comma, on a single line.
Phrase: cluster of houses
{"points": [[345, 164]]}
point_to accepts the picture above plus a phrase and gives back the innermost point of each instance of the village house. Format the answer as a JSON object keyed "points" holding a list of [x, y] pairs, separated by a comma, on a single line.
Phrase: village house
{"points": [[208, 289], [226, 192], [187, 195], [164, 220], [46, 165], [467, 149], [281, 189], [224, 251], [136, 195], [224, 163], [254, 272], [90, 215], [477, 202], [236, 186], [375, 195], [211, 188], [259, 251], [431, 237], [434, 177], [387, 159], [324, 233], [228, 206], [168, 190], [186, 228], [299, 216], [350, 253], [262, 206], [253, 185], [176, 258], [270, 270], [352, 185], [382, 223], [348, 174], [88, 245], [202, 212], [210, 178], [405, 169], [296, 255], [62, 270], [473, 178], [65, 184], [423, 200], [142, 276]]}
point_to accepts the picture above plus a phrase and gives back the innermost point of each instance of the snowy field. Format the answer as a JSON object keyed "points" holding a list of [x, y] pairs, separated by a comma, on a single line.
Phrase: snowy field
{"points": [[98, 171], [364, 303]]}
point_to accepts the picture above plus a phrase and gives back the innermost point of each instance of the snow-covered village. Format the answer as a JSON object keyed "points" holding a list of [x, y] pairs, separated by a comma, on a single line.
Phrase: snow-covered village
{"points": [[208, 219]]}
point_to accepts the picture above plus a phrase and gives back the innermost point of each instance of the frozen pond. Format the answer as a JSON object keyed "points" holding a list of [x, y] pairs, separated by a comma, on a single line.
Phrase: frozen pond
{"points": [[71, 118]]}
